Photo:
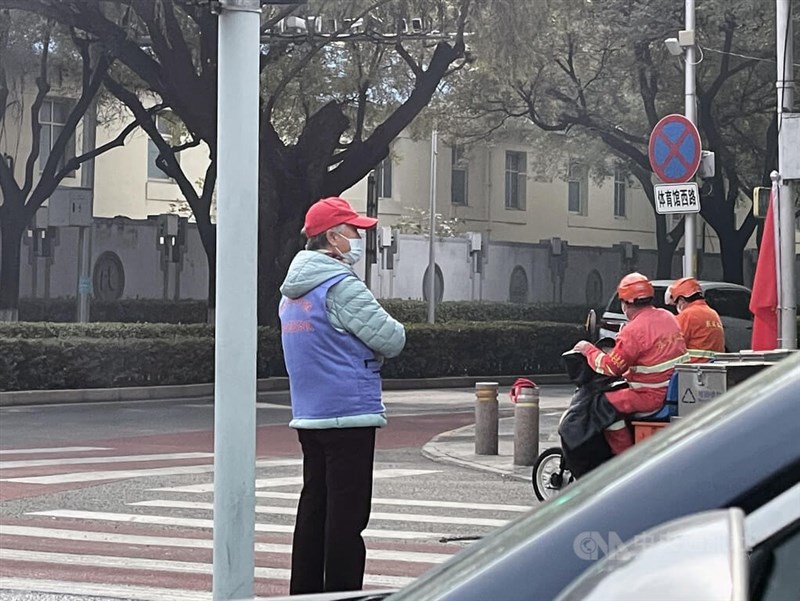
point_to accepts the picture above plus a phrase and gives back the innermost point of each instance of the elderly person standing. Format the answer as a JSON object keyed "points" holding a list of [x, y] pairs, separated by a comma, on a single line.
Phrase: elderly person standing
{"points": [[335, 335]]}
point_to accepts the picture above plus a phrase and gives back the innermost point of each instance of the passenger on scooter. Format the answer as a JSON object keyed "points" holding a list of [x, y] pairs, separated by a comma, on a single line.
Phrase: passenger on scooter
{"points": [[700, 324], [646, 352]]}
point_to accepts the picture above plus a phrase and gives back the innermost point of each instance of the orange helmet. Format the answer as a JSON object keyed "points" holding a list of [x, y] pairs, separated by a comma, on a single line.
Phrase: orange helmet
{"points": [[635, 286], [684, 287]]}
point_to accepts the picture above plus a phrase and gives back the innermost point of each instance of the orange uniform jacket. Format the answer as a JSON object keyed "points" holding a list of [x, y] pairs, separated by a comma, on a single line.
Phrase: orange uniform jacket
{"points": [[702, 330], [646, 352]]}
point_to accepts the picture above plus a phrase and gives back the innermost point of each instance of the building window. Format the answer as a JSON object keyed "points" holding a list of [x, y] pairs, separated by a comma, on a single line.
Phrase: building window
{"points": [[620, 190], [53, 117], [383, 178], [518, 286], [459, 177], [577, 189], [516, 179], [166, 127]]}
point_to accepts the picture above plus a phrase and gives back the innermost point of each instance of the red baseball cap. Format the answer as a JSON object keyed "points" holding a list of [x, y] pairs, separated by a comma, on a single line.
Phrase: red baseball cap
{"points": [[330, 212]]}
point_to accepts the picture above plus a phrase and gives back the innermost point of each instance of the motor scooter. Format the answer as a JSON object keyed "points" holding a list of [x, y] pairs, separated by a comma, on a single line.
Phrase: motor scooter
{"points": [[583, 445], [581, 427]]}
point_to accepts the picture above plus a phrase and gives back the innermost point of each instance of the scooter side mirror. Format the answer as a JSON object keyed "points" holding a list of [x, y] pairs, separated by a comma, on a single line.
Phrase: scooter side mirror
{"points": [[591, 324]]}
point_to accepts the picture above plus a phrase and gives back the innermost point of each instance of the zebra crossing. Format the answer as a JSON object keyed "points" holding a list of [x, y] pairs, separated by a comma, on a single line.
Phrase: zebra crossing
{"points": [[158, 544]]}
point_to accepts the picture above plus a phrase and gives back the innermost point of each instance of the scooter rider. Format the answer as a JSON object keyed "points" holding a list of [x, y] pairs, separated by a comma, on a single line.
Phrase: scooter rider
{"points": [[646, 352], [700, 324]]}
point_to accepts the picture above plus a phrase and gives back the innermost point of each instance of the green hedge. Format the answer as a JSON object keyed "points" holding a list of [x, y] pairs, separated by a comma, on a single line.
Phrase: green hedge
{"points": [[124, 310], [188, 312], [412, 311], [99, 356]]}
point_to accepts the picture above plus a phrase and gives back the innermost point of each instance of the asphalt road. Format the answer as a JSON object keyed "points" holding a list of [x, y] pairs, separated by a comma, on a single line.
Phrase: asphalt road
{"points": [[113, 500]]}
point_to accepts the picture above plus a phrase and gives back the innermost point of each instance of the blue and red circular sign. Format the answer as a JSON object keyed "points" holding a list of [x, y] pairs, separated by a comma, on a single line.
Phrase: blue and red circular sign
{"points": [[675, 149]]}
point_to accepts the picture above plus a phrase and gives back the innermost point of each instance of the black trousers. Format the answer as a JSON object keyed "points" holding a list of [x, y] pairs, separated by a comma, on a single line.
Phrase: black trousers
{"points": [[328, 552]]}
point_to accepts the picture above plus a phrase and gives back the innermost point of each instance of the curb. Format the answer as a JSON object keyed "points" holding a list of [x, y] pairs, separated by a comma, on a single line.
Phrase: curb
{"points": [[433, 450], [274, 389]]}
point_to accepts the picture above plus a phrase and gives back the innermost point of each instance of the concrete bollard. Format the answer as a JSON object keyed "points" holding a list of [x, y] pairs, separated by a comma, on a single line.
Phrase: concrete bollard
{"points": [[486, 416], [525, 395]]}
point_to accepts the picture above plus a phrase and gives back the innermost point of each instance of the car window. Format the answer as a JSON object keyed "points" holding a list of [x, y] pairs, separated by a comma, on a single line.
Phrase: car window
{"points": [[730, 302], [773, 567], [614, 305]]}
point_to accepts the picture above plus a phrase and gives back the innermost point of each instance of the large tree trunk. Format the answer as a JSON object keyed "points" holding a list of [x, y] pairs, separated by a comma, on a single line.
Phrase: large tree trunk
{"points": [[731, 250], [666, 243], [208, 236], [11, 230], [279, 237]]}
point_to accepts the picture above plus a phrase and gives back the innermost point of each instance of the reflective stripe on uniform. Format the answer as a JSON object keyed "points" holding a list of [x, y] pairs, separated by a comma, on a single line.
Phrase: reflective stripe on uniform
{"points": [[598, 364], [635, 385], [698, 353], [654, 369]]}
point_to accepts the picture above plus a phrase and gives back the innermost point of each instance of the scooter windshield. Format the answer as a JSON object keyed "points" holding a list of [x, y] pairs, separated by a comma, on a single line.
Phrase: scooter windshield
{"points": [[577, 368]]}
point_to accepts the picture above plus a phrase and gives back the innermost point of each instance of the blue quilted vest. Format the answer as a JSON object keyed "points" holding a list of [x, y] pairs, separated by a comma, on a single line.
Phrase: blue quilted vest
{"points": [[331, 374]]}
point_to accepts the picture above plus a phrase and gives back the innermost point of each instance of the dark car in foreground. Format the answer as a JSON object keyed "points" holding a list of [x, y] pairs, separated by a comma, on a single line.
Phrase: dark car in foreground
{"points": [[742, 451]]}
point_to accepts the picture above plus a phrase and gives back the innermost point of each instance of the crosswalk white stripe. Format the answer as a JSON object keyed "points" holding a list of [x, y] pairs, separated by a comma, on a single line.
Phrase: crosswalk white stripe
{"points": [[197, 543], [296, 480], [88, 589], [375, 515], [293, 496], [52, 450], [163, 565], [132, 518], [98, 476], [8, 465]]}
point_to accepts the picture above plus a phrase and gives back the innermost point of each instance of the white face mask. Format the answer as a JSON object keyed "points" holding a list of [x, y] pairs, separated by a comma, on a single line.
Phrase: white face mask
{"points": [[356, 251]]}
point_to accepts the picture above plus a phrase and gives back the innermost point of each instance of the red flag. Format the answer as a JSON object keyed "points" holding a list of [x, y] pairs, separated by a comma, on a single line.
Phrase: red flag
{"points": [[764, 302]]}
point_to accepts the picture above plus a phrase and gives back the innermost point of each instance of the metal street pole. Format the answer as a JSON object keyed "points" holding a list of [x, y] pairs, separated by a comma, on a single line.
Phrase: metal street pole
{"points": [[237, 243], [432, 233], [787, 301], [690, 110], [85, 233]]}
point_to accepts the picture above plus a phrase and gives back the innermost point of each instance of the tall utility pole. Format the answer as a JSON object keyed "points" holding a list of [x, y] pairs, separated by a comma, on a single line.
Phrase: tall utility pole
{"points": [[237, 245], [432, 234], [690, 111], [787, 302], [85, 232]]}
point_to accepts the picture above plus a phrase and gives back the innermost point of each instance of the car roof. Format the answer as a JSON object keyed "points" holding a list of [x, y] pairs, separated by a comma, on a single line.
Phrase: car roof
{"points": [[704, 284], [738, 451]]}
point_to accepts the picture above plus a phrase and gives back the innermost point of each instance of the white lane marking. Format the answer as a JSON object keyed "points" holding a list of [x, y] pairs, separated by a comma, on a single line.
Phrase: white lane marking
{"points": [[9, 465], [115, 591], [293, 496], [375, 515], [197, 543], [296, 480], [271, 406], [52, 450], [127, 474], [162, 565], [132, 518]]}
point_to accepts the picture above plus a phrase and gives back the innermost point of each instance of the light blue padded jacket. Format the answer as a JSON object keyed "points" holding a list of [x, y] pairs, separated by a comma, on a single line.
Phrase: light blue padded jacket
{"points": [[352, 308]]}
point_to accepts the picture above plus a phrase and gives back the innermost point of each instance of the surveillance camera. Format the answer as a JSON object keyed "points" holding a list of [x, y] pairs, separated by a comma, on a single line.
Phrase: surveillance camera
{"points": [[673, 46]]}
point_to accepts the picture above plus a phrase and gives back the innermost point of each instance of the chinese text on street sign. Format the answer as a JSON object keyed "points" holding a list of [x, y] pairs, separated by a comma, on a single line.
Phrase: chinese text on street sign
{"points": [[677, 198]]}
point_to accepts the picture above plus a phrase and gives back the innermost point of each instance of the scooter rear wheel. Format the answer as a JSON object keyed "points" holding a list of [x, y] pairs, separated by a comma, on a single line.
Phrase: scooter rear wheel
{"points": [[549, 475]]}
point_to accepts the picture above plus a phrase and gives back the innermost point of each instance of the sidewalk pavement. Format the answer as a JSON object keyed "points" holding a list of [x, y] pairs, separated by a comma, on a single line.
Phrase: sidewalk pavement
{"points": [[457, 447]]}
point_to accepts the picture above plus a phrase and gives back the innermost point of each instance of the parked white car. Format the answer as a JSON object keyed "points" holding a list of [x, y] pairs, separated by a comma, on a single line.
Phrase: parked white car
{"points": [[731, 301]]}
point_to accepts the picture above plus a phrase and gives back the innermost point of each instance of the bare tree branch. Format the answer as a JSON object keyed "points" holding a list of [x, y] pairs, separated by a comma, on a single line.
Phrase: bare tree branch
{"points": [[416, 68], [42, 89]]}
